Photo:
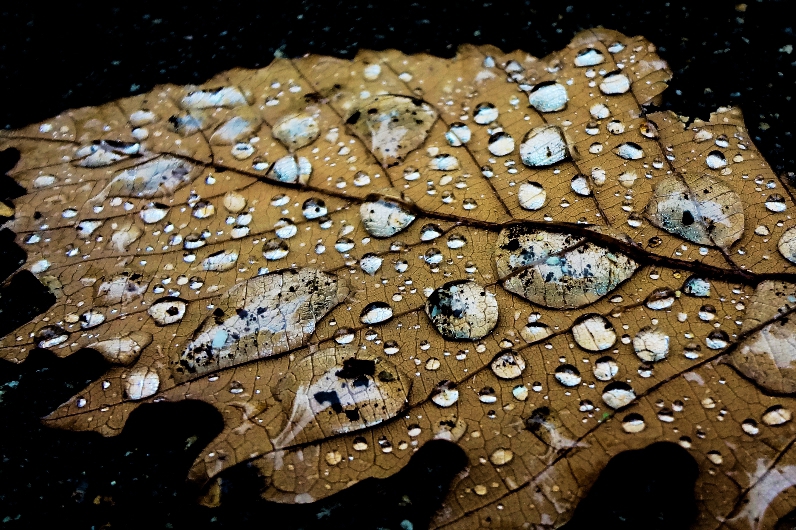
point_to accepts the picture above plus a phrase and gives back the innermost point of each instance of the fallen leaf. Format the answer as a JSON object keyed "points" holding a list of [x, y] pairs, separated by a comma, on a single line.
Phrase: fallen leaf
{"points": [[351, 258]]}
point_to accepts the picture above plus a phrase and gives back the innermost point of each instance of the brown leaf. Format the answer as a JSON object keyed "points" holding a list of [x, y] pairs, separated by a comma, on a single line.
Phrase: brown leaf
{"points": [[351, 258]]}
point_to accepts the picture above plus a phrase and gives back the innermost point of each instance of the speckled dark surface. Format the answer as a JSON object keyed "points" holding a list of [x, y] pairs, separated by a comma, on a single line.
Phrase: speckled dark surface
{"points": [[77, 54]]}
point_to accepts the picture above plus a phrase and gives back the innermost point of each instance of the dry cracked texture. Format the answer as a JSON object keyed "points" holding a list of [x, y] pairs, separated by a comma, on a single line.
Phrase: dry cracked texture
{"points": [[350, 258]]}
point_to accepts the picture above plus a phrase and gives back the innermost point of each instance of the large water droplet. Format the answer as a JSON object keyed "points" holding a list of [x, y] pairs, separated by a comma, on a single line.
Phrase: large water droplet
{"points": [[531, 195], [618, 394], [589, 57], [141, 383], [777, 415], [462, 309], [485, 113], [568, 375], [543, 146], [508, 365], [651, 344], [392, 126], [296, 130], [696, 286], [605, 368], [290, 169], [548, 96], [275, 249], [375, 313], [661, 298], [594, 332], [615, 83], [167, 311], [445, 394], [633, 423], [501, 144]]}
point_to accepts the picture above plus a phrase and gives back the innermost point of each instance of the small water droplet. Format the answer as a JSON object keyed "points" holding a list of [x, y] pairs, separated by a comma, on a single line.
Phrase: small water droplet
{"points": [[661, 298], [444, 394], [485, 113], [633, 423], [580, 185], [375, 313], [568, 375], [605, 368], [618, 394], [508, 364], [716, 160], [275, 249]]}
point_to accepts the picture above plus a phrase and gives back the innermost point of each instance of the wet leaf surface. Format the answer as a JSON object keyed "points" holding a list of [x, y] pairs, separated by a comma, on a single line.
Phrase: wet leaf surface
{"points": [[352, 259]]}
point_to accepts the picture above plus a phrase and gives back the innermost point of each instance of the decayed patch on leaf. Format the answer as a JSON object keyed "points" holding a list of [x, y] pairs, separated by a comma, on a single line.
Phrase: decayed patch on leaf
{"points": [[351, 258]]}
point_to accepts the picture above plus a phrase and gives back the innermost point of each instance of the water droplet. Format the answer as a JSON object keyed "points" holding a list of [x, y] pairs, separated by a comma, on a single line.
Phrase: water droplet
{"points": [[535, 332], [343, 245], [580, 184], [750, 427], [696, 286], [633, 423], [501, 144], [618, 394], [599, 111], [462, 309], [661, 298], [275, 249], [370, 263], [344, 336], [543, 146], [715, 457], [469, 204], [593, 332], [392, 126], [615, 83], [776, 203], [167, 311], [616, 47], [777, 415], [531, 195], [651, 344], [589, 57], [716, 160], [456, 241], [629, 151], [375, 313], [444, 162], [717, 339], [291, 170], [548, 96], [615, 127], [568, 375], [296, 130], [314, 208], [605, 368], [508, 364], [285, 228], [648, 129], [458, 134], [153, 212], [485, 113], [444, 394], [501, 457], [712, 216], [141, 383]]}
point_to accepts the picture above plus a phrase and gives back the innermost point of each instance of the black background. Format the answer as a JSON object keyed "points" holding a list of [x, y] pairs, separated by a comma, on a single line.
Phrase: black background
{"points": [[75, 54]]}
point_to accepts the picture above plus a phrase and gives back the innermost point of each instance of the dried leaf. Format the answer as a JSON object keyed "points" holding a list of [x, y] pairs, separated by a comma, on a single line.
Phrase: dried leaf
{"points": [[351, 258]]}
